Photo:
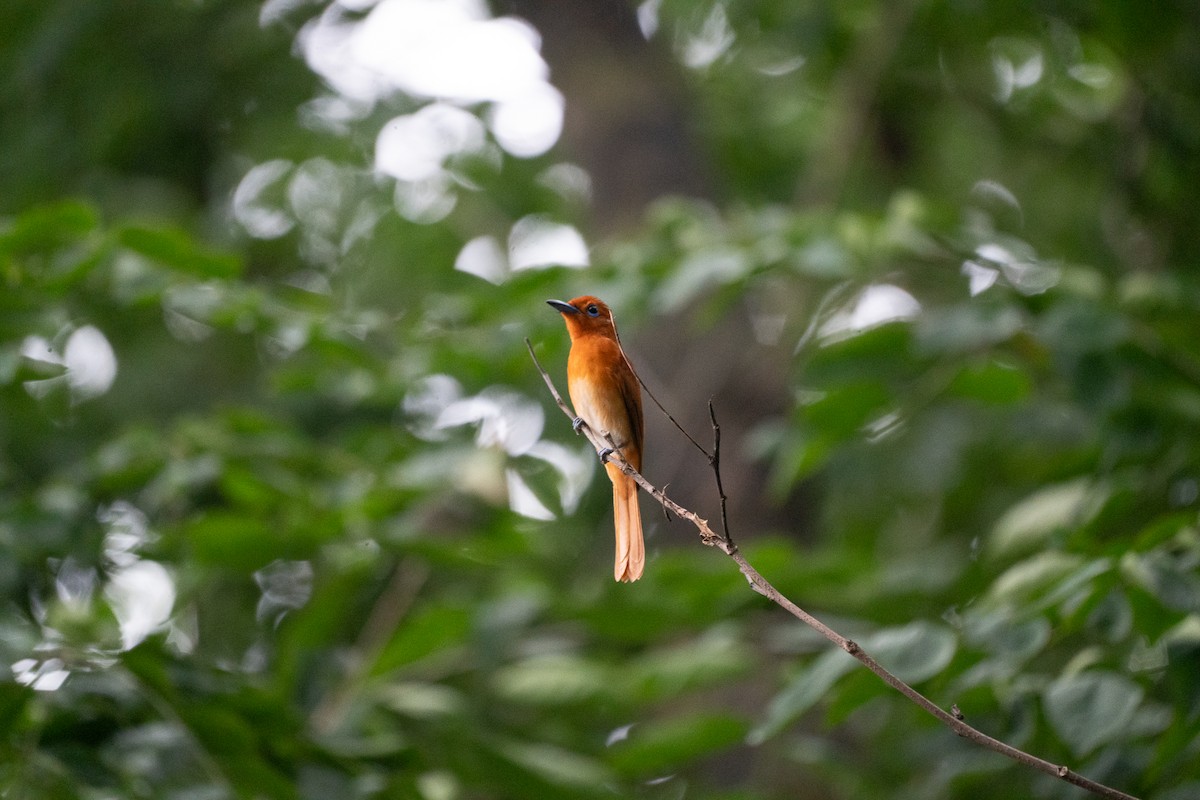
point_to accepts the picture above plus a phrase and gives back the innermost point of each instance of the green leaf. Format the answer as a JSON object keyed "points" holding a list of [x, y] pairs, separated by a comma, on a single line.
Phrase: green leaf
{"points": [[233, 540], [437, 629], [802, 693], [422, 700], [699, 271], [1089, 709], [797, 454], [1174, 583], [247, 488], [1013, 641], [552, 680], [717, 655], [236, 746], [1185, 791], [556, 765], [873, 354], [991, 382], [48, 227], [824, 257], [1028, 579], [914, 652], [221, 536], [24, 368], [1112, 617], [659, 747], [1079, 584], [14, 700], [1032, 521], [842, 412], [967, 328], [176, 250], [1186, 633]]}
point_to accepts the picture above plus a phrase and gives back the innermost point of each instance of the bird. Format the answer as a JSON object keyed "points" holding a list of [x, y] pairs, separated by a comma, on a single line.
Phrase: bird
{"points": [[606, 394]]}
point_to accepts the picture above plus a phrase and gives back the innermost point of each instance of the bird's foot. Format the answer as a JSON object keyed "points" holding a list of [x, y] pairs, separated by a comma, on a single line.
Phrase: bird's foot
{"points": [[604, 454], [576, 424]]}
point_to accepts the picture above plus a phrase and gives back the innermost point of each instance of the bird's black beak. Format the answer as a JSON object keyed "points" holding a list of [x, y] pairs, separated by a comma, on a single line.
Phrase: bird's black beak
{"points": [[561, 307]]}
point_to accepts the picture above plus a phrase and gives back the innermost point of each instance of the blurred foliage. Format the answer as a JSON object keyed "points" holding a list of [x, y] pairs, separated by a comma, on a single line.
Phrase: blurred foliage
{"points": [[317, 537]]}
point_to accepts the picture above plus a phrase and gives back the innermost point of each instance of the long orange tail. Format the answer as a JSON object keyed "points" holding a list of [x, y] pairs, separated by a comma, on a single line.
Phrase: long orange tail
{"points": [[627, 518]]}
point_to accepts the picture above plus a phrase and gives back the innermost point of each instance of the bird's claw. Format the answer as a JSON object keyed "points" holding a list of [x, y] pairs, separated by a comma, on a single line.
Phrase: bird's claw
{"points": [[604, 454], [576, 424]]}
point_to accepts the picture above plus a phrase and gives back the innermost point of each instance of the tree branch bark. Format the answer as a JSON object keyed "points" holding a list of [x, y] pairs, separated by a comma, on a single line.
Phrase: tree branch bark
{"points": [[601, 441]]}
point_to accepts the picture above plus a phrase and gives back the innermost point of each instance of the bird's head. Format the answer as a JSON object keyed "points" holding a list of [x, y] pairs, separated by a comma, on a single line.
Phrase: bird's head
{"points": [[586, 315]]}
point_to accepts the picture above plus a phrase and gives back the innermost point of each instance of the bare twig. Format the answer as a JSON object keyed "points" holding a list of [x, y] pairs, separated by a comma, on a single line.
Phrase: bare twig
{"points": [[758, 583], [714, 461], [661, 407]]}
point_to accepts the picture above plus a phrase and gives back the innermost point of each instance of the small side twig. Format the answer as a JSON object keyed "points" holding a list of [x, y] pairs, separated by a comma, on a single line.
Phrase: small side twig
{"points": [[758, 583], [661, 407], [715, 462], [714, 458]]}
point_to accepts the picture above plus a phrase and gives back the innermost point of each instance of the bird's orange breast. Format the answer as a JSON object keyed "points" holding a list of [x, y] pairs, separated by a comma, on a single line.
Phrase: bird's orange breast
{"points": [[605, 393]]}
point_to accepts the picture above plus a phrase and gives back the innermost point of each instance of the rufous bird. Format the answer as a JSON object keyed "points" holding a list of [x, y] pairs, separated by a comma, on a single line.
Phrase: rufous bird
{"points": [[607, 396]]}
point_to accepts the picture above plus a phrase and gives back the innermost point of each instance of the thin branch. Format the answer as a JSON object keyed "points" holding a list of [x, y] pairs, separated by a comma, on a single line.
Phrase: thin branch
{"points": [[760, 584], [953, 721], [715, 462], [661, 407]]}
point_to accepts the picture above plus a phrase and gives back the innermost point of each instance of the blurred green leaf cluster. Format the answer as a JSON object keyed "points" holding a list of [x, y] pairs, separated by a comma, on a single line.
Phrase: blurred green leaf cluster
{"points": [[285, 511]]}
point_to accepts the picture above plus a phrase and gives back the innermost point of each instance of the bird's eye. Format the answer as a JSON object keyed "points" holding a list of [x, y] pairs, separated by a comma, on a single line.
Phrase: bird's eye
{"points": [[593, 311]]}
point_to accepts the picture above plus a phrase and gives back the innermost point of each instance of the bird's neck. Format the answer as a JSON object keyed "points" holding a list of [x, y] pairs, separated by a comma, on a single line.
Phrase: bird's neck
{"points": [[592, 334]]}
